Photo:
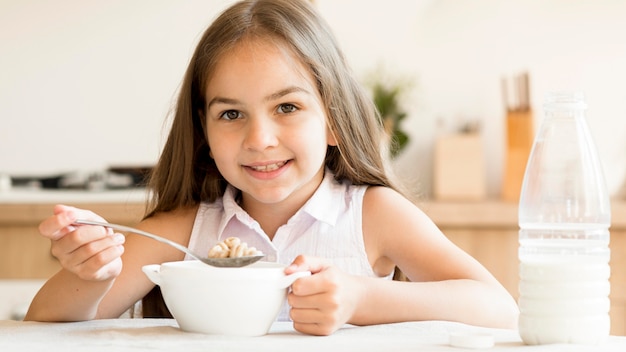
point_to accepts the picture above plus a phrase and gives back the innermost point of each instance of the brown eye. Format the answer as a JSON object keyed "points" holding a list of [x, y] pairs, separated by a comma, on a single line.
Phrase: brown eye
{"points": [[287, 108], [230, 115]]}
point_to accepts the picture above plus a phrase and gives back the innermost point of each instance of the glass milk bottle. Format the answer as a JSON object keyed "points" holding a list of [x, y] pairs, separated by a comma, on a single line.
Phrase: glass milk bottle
{"points": [[564, 219]]}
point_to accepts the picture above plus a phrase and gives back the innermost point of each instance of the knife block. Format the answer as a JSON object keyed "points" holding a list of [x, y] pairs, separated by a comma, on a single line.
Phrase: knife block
{"points": [[519, 141]]}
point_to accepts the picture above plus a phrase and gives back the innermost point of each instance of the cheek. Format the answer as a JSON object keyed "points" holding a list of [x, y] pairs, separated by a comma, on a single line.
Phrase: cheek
{"points": [[222, 159], [217, 146], [314, 142]]}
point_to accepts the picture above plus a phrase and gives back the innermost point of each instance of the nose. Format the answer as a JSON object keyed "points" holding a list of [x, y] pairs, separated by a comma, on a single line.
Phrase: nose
{"points": [[261, 133]]}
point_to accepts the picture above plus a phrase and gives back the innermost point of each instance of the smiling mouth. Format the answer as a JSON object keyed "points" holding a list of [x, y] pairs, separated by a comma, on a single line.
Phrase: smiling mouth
{"points": [[268, 167]]}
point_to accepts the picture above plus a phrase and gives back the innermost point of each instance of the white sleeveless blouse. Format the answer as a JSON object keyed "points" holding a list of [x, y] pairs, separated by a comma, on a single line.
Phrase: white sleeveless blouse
{"points": [[329, 225]]}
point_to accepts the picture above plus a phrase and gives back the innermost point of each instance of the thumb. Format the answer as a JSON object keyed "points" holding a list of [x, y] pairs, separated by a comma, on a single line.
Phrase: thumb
{"points": [[61, 208], [307, 263]]}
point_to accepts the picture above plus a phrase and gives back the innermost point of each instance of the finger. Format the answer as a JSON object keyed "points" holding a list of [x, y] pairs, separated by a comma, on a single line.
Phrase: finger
{"points": [[306, 315], [307, 263], [304, 302], [61, 222], [324, 299], [78, 212], [76, 246], [95, 260], [90, 257], [85, 214], [322, 282], [61, 208], [315, 321], [82, 235], [314, 328], [94, 249], [54, 227], [107, 265]]}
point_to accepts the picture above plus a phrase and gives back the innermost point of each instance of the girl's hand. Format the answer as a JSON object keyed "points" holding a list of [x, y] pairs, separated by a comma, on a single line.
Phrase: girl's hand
{"points": [[322, 303], [92, 253]]}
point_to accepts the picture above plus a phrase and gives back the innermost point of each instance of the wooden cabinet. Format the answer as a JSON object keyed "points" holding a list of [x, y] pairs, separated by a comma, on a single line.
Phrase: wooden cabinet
{"points": [[488, 230], [25, 254]]}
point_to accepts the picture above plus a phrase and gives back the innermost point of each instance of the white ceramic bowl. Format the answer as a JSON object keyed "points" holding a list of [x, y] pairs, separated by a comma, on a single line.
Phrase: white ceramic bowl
{"points": [[225, 301]]}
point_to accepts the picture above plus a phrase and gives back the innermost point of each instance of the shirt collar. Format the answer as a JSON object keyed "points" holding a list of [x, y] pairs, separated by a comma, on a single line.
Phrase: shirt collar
{"points": [[232, 210], [322, 206], [325, 202]]}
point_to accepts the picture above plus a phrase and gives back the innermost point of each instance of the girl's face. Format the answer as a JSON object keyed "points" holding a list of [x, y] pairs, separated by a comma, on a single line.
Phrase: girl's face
{"points": [[266, 124]]}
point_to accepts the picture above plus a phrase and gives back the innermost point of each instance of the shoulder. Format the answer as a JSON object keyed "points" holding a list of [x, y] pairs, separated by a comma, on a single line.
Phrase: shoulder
{"points": [[389, 223], [384, 204], [391, 220], [383, 207], [378, 198]]}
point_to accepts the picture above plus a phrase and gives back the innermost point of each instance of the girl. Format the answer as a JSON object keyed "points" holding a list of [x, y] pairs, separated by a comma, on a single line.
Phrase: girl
{"points": [[275, 142]]}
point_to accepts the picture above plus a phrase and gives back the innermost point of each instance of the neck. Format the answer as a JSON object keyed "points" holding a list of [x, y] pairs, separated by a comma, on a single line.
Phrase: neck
{"points": [[271, 217]]}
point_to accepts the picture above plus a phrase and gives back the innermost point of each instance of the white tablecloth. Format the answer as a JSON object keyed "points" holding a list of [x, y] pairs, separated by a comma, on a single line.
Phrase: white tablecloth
{"points": [[164, 335]]}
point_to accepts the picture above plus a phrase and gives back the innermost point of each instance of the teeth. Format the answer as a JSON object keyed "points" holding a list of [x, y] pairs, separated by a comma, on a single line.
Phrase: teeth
{"points": [[270, 167]]}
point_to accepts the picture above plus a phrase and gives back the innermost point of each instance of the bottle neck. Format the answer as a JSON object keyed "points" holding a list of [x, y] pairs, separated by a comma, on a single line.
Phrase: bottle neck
{"points": [[565, 104]]}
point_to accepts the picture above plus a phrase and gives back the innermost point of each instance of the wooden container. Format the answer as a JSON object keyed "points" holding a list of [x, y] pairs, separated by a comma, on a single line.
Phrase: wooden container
{"points": [[459, 168], [519, 135]]}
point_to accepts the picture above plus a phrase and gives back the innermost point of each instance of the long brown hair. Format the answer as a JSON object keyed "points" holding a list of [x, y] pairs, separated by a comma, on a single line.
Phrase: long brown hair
{"points": [[186, 175]]}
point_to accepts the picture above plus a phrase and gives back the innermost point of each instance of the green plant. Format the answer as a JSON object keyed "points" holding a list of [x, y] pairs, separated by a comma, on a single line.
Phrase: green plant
{"points": [[387, 98]]}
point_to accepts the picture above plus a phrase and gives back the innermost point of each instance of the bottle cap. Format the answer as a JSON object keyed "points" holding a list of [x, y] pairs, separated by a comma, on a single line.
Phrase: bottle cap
{"points": [[471, 340]]}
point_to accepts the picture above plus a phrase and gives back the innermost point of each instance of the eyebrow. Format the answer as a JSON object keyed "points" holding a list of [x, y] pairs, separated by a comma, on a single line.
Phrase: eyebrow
{"points": [[273, 96], [281, 93]]}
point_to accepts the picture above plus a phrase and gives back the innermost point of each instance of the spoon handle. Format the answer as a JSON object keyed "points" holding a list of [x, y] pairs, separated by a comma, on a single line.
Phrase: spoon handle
{"points": [[138, 232]]}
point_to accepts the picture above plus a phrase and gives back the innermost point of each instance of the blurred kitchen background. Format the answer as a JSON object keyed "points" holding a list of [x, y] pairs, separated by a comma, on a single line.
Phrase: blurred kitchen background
{"points": [[87, 85], [86, 88]]}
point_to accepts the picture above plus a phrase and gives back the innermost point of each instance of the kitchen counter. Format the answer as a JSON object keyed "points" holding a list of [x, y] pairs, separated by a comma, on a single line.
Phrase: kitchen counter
{"points": [[53, 196], [495, 213], [24, 253], [487, 230]]}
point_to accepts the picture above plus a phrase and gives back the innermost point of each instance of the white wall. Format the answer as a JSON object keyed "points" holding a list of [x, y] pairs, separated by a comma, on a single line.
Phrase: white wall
{"points": [[87, 84], [97, 78]]}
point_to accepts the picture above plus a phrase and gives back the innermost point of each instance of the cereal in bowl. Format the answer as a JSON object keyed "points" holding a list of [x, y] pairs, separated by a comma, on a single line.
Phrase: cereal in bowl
{"points": [[232, 247]]}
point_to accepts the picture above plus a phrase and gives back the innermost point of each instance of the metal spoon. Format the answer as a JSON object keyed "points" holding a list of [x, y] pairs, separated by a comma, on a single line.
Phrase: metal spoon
{"points": [[235, 262]]}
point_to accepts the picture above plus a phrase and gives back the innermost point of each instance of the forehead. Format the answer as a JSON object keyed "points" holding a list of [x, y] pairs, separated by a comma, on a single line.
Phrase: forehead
{"points": [[257, 58]]}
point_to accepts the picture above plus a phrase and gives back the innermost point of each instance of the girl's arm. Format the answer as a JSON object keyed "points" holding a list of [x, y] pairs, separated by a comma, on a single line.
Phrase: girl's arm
{"points": [[447, 283], [93, 283]]}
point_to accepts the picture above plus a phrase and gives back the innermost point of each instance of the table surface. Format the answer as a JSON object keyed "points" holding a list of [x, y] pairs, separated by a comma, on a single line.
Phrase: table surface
{"points": [[164, 335]]}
